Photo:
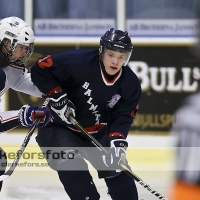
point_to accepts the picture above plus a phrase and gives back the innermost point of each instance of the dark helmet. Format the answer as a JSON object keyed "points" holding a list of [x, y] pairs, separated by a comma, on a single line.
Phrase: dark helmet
{"points": [[116, 40]]}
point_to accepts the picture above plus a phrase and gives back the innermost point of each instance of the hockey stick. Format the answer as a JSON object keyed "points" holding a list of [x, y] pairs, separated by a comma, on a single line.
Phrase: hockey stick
{"points": [[23, 146], [123, 167]]}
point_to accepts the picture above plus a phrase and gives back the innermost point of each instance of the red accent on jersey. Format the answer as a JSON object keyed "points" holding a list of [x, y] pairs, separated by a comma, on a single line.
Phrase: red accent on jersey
{"points": [[45, 62], [55, 90], [113, 79], [94, 128], [17, 67], [91, 129], [116, 134], [9, 119], [132, 114], [44, 96]]}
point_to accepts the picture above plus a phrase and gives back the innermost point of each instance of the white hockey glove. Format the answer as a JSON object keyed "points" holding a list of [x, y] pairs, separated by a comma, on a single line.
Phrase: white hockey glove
{"points": [[28, 114], [60, 105], [117, 154]]}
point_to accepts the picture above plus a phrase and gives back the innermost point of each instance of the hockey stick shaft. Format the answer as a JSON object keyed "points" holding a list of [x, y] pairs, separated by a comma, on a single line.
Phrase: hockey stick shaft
{"points": [[23, 146], [123, 167]]}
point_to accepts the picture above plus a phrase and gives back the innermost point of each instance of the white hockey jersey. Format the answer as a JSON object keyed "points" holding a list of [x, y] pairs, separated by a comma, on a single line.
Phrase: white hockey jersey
{"points": [[17, 78]]}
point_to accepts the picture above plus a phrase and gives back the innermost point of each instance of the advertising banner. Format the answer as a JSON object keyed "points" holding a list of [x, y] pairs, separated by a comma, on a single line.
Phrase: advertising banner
{"points": [[186, 28], [72, 27], [168, 74], [162, 28]]}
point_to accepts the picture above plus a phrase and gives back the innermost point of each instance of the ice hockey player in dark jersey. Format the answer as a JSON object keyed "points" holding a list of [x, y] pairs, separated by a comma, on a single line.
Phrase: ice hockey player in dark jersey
{"points": [[16, 47], [103, 93]]}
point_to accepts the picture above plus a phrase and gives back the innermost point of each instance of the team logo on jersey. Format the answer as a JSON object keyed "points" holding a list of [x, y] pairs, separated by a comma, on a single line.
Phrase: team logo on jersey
{"points": [[114, 100]]}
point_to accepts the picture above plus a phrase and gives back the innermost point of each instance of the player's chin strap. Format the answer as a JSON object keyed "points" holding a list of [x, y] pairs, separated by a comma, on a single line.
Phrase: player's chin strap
{"points": [[23, 146], [101, 148]]}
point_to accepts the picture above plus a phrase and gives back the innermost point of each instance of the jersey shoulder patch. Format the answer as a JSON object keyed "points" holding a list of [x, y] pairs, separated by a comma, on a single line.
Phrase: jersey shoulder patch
{"points": [[2, 80], [45, 62]]}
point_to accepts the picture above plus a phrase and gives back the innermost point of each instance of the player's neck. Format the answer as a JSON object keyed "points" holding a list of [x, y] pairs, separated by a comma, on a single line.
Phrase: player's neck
{"points": [[108, 76]]}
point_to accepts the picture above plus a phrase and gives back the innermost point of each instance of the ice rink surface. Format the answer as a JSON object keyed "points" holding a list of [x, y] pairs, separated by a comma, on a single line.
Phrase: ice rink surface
{"points": [[153, 162]]}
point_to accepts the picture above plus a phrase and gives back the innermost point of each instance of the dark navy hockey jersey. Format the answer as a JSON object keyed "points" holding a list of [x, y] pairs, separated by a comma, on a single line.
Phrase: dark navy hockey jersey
{"points": [[96, 99]]}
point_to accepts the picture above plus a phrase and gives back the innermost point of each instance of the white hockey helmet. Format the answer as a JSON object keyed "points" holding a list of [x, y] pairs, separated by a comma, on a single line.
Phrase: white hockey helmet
{"points": [[17, 32]]}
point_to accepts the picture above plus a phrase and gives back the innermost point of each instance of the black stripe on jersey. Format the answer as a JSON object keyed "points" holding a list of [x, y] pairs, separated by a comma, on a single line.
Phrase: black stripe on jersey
{"points": [[2, 80], [9, 124]]}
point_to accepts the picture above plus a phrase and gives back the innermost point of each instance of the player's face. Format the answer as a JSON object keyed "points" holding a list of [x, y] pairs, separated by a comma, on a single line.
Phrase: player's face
{"points": [[113, 61], [19, 53]]}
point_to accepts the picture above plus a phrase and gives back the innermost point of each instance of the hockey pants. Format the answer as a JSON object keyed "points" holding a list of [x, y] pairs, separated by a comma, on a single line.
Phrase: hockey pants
{"points": [[74, 173]]}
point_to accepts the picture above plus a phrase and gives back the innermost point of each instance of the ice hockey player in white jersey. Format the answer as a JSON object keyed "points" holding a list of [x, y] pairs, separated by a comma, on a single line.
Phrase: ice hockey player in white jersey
{"points": [[16, 47]]}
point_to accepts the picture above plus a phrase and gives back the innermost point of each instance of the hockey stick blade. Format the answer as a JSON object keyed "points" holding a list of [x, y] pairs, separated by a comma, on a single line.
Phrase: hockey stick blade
{"points": [[23, 146], [123, 167]]}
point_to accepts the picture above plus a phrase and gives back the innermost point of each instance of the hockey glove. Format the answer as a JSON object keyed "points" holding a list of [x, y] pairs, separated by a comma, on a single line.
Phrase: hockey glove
{"points": [[60, 105], [117, 154], [28, 114]]}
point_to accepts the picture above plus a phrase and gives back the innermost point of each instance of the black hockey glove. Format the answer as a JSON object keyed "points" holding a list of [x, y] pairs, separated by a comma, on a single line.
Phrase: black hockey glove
{"points": [[60, 105], [117, 154]]}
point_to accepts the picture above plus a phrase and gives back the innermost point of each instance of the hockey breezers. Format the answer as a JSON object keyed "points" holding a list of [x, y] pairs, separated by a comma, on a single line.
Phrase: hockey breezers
{"points": [[123, 167], [23, 146]]}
